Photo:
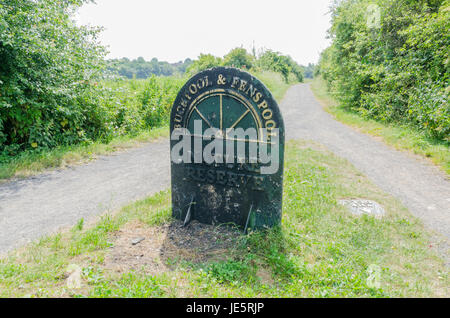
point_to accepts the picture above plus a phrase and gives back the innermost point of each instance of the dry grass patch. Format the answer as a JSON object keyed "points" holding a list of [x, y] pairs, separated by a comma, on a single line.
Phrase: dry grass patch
{"points": [[160, 247]]}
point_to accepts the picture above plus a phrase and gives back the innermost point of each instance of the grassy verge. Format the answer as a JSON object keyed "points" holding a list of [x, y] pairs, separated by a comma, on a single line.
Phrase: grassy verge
{"points": [[400, 137], [30, 163], [275, 83], [320, 250]]}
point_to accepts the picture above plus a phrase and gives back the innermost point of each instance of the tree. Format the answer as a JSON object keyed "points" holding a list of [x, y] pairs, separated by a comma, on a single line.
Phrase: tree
{"points": [[239, 58], [283, 64], [396, 70], [204, 62], [142, 69], [309, 70]]}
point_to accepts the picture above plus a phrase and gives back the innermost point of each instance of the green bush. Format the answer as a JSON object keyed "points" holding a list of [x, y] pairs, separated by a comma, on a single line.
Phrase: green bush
{"points": [[156, 100], [51, 87], [239, 58], [283, 64], [394, 70], [129, 106], [142, 69], [48, 65], [204, 62]]}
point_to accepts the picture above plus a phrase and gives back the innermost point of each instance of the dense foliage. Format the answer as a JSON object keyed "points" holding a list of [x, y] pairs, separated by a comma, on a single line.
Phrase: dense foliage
{"points": [[142, 69], [389, 60], [310, 70], [282, 64], [240, 58], [48, 68], [53, 90], [129, 106], [204, 62]]}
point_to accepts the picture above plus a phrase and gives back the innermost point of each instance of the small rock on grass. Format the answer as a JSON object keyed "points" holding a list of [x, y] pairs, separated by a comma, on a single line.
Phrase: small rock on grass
{"points": [[74, 279], [360, 206]]}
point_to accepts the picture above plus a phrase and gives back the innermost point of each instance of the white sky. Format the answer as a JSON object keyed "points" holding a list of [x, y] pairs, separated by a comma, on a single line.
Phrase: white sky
{"points": [[172, 30]]}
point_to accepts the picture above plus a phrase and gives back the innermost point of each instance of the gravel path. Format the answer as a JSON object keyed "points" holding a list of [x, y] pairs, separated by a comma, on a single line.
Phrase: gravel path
{"points": [[40, 205]]}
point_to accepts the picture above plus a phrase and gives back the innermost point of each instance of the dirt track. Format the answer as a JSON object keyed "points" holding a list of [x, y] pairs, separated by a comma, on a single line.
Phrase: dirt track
{"points": [[40, 205]]}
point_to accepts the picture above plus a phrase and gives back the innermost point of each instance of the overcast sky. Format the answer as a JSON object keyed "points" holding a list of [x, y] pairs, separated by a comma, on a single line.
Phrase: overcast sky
{"points": [[172, 30]]}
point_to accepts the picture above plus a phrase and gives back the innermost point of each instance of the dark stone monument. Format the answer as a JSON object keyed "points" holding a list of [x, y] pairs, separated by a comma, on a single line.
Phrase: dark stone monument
{"points": [[240, 187]]}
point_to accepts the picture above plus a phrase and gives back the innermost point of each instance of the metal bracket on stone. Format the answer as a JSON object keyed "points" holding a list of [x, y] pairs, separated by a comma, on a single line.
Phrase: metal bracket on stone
{"points": [[248, 219], [189, 213]]}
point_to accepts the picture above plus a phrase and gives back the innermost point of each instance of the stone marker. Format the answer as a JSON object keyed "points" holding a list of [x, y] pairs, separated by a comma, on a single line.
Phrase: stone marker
{"points": [[227, 151]]}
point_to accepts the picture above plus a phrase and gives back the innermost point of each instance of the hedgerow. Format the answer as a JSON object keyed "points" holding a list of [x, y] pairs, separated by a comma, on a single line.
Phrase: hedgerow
{"points": [[48, 65], [389, 60], [52, 87]]}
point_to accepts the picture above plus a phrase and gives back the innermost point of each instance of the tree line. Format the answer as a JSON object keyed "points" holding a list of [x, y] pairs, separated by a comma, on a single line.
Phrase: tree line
{"points": [[141, 69], [267, 60], [238, 57]]}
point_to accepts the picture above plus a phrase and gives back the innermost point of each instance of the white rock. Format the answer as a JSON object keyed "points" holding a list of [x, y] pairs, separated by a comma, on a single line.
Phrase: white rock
{"points": [[74, 279], [361, 206]]}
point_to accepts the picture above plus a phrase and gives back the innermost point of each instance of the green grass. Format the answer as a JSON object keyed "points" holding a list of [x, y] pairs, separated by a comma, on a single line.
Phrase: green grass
{"points": [[320, 250], [399, 136]]}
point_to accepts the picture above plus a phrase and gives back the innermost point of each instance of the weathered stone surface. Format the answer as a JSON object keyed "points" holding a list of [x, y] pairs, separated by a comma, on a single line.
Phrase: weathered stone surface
{"points": [[137, 240], [236, 193], [360, 207]]}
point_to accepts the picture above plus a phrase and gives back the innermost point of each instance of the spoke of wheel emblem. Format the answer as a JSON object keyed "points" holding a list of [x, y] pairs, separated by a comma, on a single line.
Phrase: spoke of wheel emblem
{"points": [[240, 118], [203, 117], [221, 112]]}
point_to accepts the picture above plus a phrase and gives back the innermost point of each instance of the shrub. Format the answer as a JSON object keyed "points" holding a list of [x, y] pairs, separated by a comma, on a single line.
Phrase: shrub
{"points": [[48, 64], [395, 71]]}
